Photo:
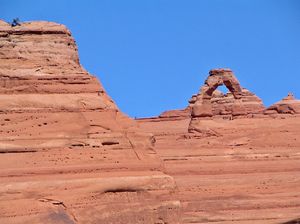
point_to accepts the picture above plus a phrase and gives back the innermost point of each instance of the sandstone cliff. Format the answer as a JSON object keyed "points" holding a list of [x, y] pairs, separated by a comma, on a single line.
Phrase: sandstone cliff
{"points": [[44, 89], [67, 152], [69, 155]]}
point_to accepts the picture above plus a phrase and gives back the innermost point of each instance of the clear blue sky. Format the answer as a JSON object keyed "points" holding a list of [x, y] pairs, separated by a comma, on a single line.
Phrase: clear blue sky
{"points": [[152, 55]]}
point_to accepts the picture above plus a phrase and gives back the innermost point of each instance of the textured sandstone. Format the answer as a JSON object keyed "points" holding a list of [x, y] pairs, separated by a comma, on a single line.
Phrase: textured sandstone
{"points": [[239, 101], [236, 171], [209, 103], [174, 114], [43, 83], [288, 105], [68, 155], [233, 160]]}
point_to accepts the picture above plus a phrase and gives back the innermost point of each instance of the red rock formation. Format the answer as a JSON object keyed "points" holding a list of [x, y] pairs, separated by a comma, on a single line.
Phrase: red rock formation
{"points": [[43, 84], [176, 114], [288, 105], [243, 169], [238, 102], [67, 152], [210, 102], [68, 155]]}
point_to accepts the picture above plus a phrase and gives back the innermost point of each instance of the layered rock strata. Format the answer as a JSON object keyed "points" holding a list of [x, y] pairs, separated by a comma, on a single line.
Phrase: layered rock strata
{"points": [[210, 102], [288, 105], [244, 170], [68, 155], [238, 102], [48, 99], [233, 160], [62, 139]]}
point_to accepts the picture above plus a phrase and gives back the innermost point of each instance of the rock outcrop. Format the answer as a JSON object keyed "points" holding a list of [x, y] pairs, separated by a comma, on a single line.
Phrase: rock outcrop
{"points": [[238, 102], [211, 103], [73, 153], [288, 105], [233, 160], [43, 84], [69, 155], [208, 103], [176, 114], [244, 170]]}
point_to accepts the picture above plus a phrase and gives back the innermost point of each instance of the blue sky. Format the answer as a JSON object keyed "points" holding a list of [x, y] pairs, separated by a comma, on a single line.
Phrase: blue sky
{"points": [[152, 55]]}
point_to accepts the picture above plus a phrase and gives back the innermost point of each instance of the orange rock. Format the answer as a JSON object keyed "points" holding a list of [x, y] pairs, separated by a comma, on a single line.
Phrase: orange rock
{"points": [[65, 147], [238, 101], [288, 105], [69, 155], [231, 160]]}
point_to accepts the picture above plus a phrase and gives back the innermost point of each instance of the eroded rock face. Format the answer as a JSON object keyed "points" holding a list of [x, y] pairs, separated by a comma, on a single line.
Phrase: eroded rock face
{"points": [[231, 155], [60, 132], [230, 167], [42, 57], [43, 84], [288, 105], [210, 102], [226, 156], [176, 114], [238, 101]]}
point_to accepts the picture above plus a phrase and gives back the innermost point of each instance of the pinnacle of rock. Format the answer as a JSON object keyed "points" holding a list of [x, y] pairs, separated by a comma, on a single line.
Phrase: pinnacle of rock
{"points": [[290, 96]]}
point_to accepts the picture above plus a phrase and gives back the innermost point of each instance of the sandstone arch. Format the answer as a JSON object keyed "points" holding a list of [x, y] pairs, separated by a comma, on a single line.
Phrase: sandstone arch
{"points": [[218, 77], [238, 102]]}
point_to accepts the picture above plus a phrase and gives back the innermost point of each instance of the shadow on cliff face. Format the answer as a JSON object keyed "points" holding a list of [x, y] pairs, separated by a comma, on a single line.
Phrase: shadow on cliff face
{"points": [[294, 221], [59, 217]]}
